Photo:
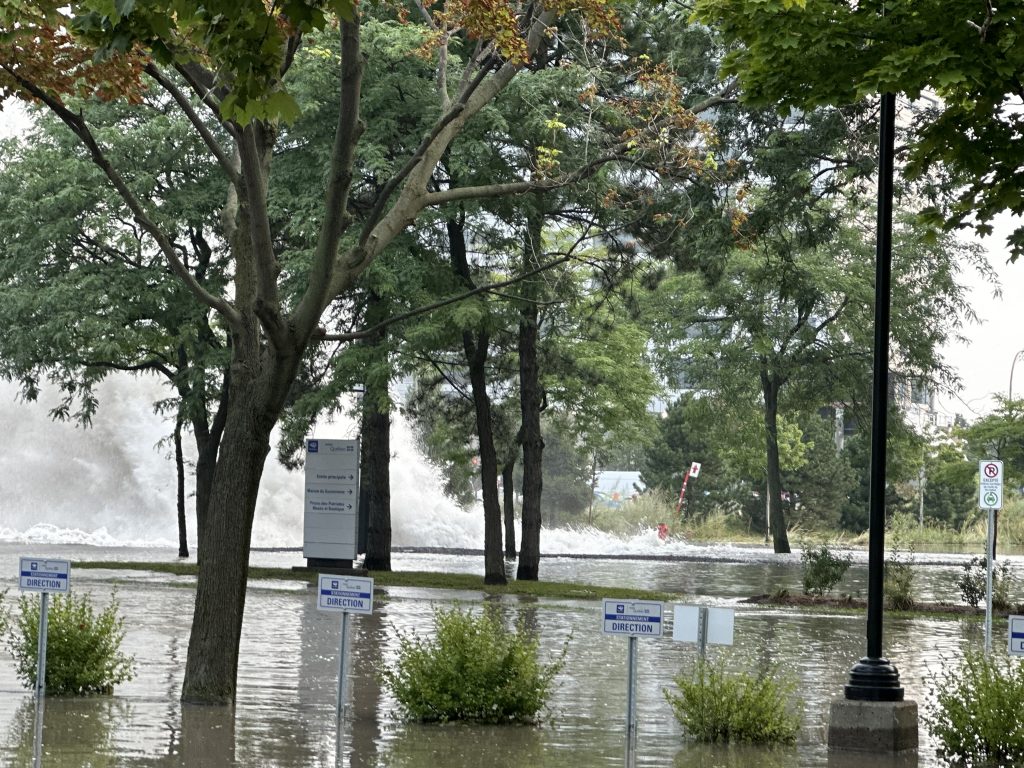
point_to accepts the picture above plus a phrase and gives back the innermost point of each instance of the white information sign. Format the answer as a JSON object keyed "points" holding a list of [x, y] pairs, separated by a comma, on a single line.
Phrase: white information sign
{"points": [[1016, 633], [345, 594], [332, 499], [695, 469], [719, 628], [990, 486], [43, 575], [632, 618]]}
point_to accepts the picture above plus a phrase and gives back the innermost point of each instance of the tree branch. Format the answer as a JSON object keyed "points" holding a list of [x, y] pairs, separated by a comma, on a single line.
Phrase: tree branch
{"points": [[79, 127], [208, 138], [490, 287]]}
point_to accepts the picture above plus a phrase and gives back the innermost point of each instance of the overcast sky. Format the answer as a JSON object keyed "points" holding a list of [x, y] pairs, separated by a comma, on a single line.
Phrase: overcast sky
{"points": [[984, 362]]}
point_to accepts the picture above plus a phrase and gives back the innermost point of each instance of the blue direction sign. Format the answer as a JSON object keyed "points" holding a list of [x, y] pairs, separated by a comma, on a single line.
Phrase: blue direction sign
{"points": [[40, 575], [345, 594], [633, 618], [1016, 647]]}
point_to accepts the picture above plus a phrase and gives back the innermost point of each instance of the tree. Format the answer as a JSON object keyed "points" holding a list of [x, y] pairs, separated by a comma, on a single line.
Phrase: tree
{"points": [[236, 60], [1000, 435], [804, 53]]}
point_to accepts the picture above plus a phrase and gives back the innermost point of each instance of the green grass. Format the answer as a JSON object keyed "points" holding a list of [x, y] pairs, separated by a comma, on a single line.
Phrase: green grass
{"points": [[423, 579]]}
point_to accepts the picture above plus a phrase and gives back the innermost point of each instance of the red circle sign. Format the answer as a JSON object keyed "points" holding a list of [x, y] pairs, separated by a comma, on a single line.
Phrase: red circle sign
{"points": [[991, 470]]}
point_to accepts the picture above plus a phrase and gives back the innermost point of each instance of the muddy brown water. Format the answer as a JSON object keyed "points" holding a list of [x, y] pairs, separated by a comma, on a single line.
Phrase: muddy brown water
{"points": [[284, 715]]}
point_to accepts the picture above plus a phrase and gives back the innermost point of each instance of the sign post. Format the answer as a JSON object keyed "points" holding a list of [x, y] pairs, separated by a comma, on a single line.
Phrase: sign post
{"points": [[693, 471], [344, 595], [990, 497], [37, 574], [632, 619]]}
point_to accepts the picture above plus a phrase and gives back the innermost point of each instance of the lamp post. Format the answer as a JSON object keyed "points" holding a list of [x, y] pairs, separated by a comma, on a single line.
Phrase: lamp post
{"points": [[873, 678], [1009, 394]]}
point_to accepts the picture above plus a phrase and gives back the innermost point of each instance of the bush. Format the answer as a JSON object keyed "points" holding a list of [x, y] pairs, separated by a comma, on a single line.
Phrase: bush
{"points": [[83, 648], [975, 717], [822, 569], [972, 583], [716, 706], [899, 575], [473, 669]]}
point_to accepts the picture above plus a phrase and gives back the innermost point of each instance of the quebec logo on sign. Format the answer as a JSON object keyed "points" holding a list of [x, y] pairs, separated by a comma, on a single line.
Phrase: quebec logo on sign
{"points": [[335, 585], [313, 446]]}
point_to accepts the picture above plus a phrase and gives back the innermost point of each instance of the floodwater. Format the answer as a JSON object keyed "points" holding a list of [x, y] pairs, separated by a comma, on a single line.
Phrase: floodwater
{"points": [[284, 715]]}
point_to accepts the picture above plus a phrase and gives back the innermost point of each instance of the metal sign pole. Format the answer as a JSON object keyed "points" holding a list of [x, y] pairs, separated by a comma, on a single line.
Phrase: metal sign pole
{"points": [[44, 608], [44, 615], [343, 666], [988, 580], [631, 704]]}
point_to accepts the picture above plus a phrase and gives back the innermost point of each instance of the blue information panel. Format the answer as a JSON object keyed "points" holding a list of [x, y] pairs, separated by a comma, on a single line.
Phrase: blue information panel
{"points": [[633, 618], [345, 594], [43, 575]]}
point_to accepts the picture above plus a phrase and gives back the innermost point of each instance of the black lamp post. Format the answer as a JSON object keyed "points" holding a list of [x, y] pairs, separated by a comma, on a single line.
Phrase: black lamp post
{"points": [[873, 678]]}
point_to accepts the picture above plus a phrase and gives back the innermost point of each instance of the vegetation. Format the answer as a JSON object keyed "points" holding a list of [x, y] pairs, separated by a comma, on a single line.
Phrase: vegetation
{"points": [[899, 577], [973, 582], [716, 705], [83, 648], [472, 669], [975, 718], [822, 569]]}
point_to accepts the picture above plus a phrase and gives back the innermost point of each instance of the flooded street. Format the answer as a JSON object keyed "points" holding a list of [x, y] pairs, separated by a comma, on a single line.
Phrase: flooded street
{"points": [[285, 710]]}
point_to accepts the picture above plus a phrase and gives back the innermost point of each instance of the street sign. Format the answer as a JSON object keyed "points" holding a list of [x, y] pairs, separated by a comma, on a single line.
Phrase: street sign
{"points": [[990, 485], [632, 618], [41, 575], [717, 625], [695, 469], [345, 594], [331, 499], [1016, 635]]}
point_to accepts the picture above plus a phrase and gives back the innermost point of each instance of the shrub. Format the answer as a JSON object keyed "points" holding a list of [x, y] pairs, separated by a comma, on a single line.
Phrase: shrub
{"points": [[473, 669], [822, 569], [83, 647], [715, 706], [975, 717], [899, 576], [972, 583]]}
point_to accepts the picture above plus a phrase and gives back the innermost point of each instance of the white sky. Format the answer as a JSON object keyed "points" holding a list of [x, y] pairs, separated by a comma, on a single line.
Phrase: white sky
{"points": [[984, 362]]}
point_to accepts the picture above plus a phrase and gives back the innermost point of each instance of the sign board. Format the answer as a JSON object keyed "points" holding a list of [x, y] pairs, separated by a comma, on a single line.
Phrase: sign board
{"points": [[42, 575], [990, 485], [1016, 632], [686, 624], [331, 499], [632, 618], [345, 594], [695, 469]]}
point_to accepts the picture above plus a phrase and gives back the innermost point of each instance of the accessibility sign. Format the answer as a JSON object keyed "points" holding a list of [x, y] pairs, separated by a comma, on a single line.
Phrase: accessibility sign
{"points": [[39, 575], [345, 594], [632, 618], [1016, 635], [990, 484]]}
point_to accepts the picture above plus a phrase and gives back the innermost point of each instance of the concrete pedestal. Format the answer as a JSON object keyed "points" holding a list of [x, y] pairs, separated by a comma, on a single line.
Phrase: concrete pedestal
{"points": [[873, 726]]}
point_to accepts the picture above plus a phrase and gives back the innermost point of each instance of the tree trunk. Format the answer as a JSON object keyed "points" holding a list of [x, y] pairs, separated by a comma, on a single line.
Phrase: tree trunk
{"points": [[375, 479], [207, 436], [179, 466], [770, 386], [477, 350], [375, 453], [531, 398], [509, 502]]}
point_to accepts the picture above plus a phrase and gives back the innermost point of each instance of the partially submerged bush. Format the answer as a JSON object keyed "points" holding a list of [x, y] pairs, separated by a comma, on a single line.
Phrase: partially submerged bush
{"points": [[972, 583], [83, 647], [822, 569], [976, 715], [714, 705], [899, 578], [473, 669]]}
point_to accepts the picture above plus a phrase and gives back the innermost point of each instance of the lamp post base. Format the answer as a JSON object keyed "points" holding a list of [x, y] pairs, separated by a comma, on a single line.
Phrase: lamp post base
{"points": [[873, 726], [874, 680]]}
